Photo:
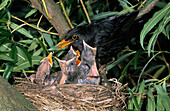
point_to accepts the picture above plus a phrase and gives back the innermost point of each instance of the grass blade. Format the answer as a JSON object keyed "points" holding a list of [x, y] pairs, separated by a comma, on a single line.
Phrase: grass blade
{"points": [[134, 99]]}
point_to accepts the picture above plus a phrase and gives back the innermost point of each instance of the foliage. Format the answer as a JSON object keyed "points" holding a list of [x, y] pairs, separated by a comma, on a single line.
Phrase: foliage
{"points": [[26, 37]]}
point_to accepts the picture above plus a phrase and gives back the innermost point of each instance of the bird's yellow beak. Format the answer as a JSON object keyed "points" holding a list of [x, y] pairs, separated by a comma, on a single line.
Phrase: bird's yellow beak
{"points": [[49, 59], [63, 44]]}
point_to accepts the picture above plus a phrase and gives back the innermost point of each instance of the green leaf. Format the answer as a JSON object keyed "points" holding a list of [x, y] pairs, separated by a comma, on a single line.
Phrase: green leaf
{"points": [[42, 46], [130, 105], [151, 101], [10, 65], [136, 57], [151, 80], [54, 48], [28, 55], [5, 47], [13, 53], [102, 15], [99, 16], [21, 30], [159, 105], [167, 30], [153, 68], [25, 63], [166, 26], [30, 13], [7, 71], [48, 39], [5, 57], [141, 91], [154, 37], [2, 40], [152, 42], [152, 22], [26, 41], [38, 52], [134, 99], [60, 53], [33, 46], [164, 86], [3, 4], [165, 99], [108, 67], [21, 54], [125, 71], [146, 66], [89, 8], [159, 71]]}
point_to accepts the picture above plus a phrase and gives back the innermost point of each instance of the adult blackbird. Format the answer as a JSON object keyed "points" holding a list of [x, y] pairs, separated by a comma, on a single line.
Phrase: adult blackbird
{"points": [[109, 35]]}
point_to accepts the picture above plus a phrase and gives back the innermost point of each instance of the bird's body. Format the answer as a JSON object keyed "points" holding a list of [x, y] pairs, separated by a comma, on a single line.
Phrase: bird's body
{"points": [[109, 35]]}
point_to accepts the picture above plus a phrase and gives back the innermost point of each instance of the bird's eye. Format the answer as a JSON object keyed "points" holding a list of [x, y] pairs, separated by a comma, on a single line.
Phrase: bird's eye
{"points": [[72, 64], [74, 37]]}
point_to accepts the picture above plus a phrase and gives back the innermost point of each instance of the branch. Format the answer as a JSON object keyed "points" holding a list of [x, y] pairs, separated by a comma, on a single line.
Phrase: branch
{"points": [[12, 100], [54, 15]]}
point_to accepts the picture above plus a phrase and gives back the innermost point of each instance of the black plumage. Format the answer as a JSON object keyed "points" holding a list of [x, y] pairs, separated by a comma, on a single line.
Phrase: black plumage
{"points": [[109, 35]]}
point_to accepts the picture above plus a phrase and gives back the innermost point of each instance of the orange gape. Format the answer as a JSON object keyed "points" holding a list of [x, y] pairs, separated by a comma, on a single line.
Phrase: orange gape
{"points": [[77, 60]]}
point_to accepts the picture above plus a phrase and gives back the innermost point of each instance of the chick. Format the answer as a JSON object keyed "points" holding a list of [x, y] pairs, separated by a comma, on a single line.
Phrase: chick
{"points": [[68, 74], [43, 70], [87, 69]]}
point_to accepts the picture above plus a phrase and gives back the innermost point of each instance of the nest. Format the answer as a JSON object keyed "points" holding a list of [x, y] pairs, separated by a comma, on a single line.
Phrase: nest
{"points": [[85, 97]]}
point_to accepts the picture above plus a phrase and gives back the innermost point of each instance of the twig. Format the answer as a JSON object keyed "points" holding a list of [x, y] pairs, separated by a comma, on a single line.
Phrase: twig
{"points": [[65, 14], [25, 74], [46, 10], [84, 8], [33, 26], [18, 27], [166, 63], [146, 9], [38, 24]]}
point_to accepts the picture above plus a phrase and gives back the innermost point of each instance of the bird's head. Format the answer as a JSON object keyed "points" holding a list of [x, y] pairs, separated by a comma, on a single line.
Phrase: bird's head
{"points": [[72, 37], [68, 68], [48, 59]]}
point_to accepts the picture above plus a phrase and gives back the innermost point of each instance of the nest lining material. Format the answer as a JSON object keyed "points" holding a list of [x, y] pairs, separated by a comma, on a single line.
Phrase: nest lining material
{"points": [[75, 97]]}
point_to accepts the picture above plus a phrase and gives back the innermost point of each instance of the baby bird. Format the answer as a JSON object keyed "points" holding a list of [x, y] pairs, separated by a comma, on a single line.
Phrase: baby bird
{"points": [[68, 74], [43, 71], [87, 69]]}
